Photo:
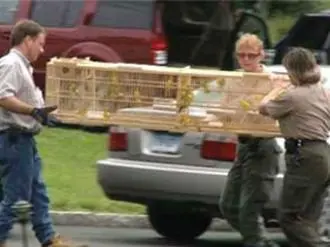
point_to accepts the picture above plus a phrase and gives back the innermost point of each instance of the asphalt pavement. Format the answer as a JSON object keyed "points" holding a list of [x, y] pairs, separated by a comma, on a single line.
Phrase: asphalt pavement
{"points": [[114, 237]]}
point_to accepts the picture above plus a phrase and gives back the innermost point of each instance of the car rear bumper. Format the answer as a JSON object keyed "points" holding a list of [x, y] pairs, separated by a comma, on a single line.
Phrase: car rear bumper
{"points": [[122, 179], [160, 180]]}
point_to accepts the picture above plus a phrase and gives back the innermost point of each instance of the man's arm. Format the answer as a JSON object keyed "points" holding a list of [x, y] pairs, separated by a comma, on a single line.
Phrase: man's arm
{"points": [[9, 86], [276, 107], [15, 105], [272, 95]]}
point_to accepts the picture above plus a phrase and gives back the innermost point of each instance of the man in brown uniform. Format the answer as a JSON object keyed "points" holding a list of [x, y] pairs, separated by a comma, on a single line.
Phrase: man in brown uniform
{"points": [[303, 112], [250, 181]]}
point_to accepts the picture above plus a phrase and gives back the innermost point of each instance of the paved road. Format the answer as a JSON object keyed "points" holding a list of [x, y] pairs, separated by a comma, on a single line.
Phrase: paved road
{"points": [[103, 237]]}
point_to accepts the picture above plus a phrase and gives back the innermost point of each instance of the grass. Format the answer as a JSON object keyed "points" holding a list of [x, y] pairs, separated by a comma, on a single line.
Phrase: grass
{"points": [[279, 26], [281, 22], [69, 169]]}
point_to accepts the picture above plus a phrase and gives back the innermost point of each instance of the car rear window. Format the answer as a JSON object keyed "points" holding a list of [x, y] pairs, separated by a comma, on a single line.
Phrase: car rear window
{"points": [[66, 14], [123, 14], [7, 11]]}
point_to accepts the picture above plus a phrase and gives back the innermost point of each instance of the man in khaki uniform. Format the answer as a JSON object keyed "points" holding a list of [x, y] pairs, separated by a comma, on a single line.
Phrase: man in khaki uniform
{"points": [[303, 112], [250, 181]]}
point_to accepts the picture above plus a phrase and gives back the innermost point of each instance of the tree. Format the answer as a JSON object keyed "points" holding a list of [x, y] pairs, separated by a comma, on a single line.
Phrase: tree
{"points": [[269, 8]]}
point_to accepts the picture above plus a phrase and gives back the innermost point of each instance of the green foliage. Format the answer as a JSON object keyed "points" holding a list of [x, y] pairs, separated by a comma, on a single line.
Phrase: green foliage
{"points": [[292, 7], [283, 14], [273, 8], [279, 26]]}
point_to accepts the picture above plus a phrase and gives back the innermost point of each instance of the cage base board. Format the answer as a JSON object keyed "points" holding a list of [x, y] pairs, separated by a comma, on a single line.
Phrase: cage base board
{"points": [[75, 120], [169, 123], [197, 126], [183, 129]]}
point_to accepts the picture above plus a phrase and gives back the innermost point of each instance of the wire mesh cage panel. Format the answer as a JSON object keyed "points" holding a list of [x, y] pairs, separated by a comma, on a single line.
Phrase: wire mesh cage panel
{"points": [[65, 86], [90, 92], [237, 109], [119, 86], [229, 103], [159, 97]]}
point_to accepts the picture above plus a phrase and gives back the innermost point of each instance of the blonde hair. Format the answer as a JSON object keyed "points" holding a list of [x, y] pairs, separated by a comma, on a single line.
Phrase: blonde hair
{"points": [[250, 40], [301, 66]]}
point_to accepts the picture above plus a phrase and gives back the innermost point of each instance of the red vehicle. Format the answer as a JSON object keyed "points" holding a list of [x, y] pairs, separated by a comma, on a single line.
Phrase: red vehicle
{"points": [[148, 32]]}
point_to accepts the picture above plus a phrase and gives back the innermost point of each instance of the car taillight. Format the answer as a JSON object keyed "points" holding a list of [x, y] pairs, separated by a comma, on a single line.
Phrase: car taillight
{"points": [[117, 139], [158, 41], [218, 150], [159, 51]]}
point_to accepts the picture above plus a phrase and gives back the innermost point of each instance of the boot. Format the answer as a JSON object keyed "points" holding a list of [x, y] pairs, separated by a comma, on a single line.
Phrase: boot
{"points": [[58, 241], [265, 243]]}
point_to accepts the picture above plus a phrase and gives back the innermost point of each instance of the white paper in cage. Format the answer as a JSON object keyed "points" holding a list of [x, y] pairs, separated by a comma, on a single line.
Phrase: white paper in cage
{"points": [[95, 114]]}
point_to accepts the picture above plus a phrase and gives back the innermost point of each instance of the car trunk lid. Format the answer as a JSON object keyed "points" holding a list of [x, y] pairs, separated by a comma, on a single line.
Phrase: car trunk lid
{"points": [[193, 148]]}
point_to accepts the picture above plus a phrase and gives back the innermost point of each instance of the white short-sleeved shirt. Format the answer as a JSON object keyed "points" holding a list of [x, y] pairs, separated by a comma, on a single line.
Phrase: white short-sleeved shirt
{"points": [[16, 80]]}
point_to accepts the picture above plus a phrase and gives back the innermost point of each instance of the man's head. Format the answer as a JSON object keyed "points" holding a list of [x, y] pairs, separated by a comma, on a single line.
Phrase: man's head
{"points": [[301, 66], [29, 37], [250, 52]]}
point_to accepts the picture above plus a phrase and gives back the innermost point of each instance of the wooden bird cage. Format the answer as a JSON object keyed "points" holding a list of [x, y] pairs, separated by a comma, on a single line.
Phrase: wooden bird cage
{"points": [[163, 98], [229, 104]]}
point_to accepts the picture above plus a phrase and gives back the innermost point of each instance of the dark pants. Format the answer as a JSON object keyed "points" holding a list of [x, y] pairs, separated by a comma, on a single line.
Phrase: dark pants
{"points": [[1, 192], [249, 186], [304, 190], [20, 166]]}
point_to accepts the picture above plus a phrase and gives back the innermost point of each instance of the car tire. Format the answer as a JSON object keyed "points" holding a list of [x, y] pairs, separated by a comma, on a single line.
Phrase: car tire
{"points": [[178, 225]]}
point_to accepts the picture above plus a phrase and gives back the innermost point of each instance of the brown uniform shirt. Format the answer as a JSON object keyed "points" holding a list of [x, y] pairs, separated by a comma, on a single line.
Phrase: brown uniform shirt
{"points": [[302, 112]]}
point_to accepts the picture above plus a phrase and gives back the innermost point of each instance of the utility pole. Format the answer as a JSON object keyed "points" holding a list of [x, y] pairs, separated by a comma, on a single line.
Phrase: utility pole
{"points": [[22, 211]]}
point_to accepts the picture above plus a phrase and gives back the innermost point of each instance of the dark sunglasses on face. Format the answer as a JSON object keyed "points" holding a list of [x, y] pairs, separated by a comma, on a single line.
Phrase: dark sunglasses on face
{"points": [[247, 55]]}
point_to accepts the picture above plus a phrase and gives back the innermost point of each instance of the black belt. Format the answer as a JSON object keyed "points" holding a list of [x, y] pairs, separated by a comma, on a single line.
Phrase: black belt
{"points": [[17, 130], [292, 144], [246, 139], [302, 141]]}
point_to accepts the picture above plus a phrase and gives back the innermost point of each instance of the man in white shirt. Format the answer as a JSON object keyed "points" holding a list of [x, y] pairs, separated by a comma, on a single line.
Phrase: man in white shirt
{"points": [[22, 114]]}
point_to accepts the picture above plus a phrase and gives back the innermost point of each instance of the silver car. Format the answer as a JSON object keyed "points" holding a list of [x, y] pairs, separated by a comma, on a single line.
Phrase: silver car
{"points": [[179, 177]]}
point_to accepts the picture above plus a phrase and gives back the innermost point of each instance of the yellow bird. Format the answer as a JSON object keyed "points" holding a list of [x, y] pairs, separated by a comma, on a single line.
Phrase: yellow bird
{"points": [[137, 96], [221, 82], [245, 105], [106, 115]]}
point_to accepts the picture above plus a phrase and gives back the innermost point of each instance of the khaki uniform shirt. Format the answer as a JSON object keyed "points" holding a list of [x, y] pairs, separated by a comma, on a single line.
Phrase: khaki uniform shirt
{"points": [[16, 80], [303, 112], [252, 151], [244, 138]]}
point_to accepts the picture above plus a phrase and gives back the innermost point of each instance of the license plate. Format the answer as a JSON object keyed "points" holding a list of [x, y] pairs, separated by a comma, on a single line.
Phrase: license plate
{"points": [[165, 143]]}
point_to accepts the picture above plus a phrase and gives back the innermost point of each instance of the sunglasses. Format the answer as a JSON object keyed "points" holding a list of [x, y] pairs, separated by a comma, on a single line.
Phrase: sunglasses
{"points": [[247, 55]]}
